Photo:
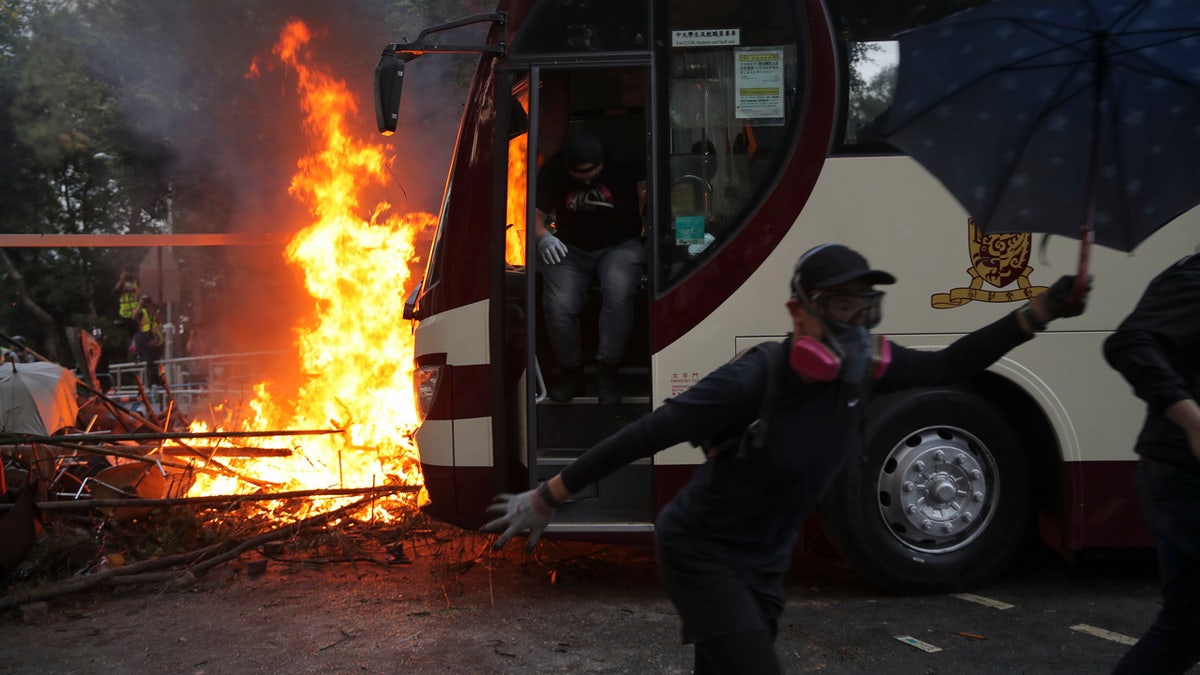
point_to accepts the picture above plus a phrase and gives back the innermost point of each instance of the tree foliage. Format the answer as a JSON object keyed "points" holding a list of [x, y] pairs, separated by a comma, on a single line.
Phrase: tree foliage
{"points": [[147, 116], [869, 105]]}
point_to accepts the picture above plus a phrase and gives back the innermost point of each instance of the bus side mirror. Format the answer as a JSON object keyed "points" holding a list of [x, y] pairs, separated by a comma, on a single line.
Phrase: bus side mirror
{"points": [[389, 78], [410, 305]]}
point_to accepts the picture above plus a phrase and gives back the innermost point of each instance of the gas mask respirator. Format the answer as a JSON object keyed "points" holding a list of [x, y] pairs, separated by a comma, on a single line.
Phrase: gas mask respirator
{"points": [[849, 352]]}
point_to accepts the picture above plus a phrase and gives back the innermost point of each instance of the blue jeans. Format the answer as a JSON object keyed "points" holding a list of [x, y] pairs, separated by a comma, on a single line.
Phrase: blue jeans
{"points": [[1171, 504], [619, 270]]}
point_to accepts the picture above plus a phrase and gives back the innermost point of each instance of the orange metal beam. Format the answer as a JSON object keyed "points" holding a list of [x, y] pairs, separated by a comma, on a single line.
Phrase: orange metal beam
{"points": [[138, 240]]}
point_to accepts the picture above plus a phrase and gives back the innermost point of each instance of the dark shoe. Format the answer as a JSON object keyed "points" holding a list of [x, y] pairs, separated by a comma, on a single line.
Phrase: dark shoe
{"points": [[608, 384], [565, 384]]}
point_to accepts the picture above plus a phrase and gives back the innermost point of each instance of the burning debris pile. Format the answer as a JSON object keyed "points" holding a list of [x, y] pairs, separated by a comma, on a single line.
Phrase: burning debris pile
{"points": [[339, 448], [96, 490]]}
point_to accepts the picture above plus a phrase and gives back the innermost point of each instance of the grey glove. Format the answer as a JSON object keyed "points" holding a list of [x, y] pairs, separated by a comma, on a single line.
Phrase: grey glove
{"points": [[1061, 300], [551, 249], [517, 513]]}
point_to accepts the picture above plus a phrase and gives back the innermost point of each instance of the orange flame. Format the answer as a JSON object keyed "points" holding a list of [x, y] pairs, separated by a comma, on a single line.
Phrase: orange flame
{"points": [[357, 270], [518, 173], [514, 236]]}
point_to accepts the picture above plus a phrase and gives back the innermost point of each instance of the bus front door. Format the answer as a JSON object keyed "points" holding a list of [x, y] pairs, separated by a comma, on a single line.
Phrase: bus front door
{"points": [[610, 101]]}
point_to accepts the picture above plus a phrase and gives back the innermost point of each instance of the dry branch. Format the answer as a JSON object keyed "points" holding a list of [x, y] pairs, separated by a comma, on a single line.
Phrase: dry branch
{"points": [[220, 451], [141, 573], [125, 453], [154, 425], [162, 436], [210, 500]]}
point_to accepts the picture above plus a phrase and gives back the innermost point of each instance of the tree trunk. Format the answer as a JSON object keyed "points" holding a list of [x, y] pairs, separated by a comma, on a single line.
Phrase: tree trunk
{"points": [[49, 329]]}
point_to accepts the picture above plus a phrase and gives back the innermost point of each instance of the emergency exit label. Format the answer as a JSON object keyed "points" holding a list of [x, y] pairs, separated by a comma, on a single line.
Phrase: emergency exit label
{"points": [[680, 382]]}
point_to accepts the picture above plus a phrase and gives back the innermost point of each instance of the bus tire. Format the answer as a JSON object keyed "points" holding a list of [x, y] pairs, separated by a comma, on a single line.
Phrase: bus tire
{"points": [[940, 499]]}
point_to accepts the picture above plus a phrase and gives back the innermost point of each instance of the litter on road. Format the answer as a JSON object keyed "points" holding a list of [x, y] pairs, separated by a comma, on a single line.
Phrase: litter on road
{"points": [[919, 644]]}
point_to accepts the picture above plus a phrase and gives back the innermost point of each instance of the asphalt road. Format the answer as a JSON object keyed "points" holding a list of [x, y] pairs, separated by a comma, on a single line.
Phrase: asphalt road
{"points": [[1046, 616], [569, 608]]}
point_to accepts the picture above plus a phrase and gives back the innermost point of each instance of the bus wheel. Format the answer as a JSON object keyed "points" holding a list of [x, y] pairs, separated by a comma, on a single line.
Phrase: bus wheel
{"points": [[941, 498]]}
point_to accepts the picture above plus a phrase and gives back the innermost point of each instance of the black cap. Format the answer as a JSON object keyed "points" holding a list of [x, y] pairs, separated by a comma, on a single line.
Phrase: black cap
{"points": [[582, 147], [830, 265]]}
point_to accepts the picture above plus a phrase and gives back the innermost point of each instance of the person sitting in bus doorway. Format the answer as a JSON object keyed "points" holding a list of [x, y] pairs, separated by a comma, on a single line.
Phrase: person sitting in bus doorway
{"points": [[725, 541], [1157, 350], [589, 229]]}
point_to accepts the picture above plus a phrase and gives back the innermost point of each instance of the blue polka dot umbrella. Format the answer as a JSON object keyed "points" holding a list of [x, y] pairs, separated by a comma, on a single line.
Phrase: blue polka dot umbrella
{"points": [[1073, 117]]}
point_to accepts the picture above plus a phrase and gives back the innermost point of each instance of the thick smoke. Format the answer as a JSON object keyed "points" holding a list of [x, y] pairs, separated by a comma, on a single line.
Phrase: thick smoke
{"points": [[184, 65], [230, 137]]}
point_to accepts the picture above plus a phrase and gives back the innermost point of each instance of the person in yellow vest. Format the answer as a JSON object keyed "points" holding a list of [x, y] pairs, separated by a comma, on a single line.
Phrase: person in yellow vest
{"points": [[128, 292], [149, 341]]}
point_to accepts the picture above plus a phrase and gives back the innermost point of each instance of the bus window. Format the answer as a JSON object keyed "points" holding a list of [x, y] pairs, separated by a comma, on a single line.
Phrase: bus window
{"points": [[867, 30], [872, 90], [731, 102], [566, 26]]}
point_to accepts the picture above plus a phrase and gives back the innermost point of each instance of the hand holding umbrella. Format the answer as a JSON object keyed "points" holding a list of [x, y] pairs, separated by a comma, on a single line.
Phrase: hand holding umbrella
{"points": [[1073, 117]]}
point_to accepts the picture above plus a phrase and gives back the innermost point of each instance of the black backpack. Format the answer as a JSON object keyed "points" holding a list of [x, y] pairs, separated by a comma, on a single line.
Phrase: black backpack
{"points": [[754, 436]]}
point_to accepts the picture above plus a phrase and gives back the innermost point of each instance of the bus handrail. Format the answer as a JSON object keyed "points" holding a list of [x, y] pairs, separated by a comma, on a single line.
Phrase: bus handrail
{"points": [[412, 50]]}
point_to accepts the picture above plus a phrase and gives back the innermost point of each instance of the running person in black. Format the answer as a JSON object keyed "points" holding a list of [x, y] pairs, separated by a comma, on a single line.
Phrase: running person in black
{"points": [[725, 541], [1157, 350]]}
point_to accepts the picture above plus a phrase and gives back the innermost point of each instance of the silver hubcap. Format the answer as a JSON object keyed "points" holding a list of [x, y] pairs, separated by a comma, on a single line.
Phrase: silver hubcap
{"points": [[937, 489]]}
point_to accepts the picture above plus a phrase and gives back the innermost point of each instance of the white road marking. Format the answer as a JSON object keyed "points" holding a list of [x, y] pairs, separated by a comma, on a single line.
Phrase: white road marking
{"points": [[1106, 634], [981, 600]]}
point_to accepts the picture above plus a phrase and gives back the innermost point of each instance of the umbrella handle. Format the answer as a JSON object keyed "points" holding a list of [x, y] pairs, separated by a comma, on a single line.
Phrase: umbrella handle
{"points": [[1082, 278]]}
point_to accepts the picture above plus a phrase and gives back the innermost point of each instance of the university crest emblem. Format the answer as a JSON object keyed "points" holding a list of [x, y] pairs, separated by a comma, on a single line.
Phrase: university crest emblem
{"points": [[1000, 260]]}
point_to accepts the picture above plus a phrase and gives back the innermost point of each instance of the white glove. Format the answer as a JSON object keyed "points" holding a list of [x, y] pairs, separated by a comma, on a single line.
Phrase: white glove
{"points": [[551, 249], [696, 249], [517, 513]]}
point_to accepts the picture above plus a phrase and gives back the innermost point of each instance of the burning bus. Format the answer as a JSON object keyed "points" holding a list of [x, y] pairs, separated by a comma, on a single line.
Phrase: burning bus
{"points": [[749, 118]]}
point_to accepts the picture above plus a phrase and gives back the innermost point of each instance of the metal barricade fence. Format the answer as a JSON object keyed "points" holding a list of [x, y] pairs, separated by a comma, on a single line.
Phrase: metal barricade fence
{"points": [[192, 380]]}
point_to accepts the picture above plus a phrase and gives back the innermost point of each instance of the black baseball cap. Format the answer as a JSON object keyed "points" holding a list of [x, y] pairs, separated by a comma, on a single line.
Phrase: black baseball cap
{"points": [[830, 265], [581, 148]]}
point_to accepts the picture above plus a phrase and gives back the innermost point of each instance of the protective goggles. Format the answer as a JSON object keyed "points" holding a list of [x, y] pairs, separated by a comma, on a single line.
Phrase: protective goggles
{"points": [[849, 308]]}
